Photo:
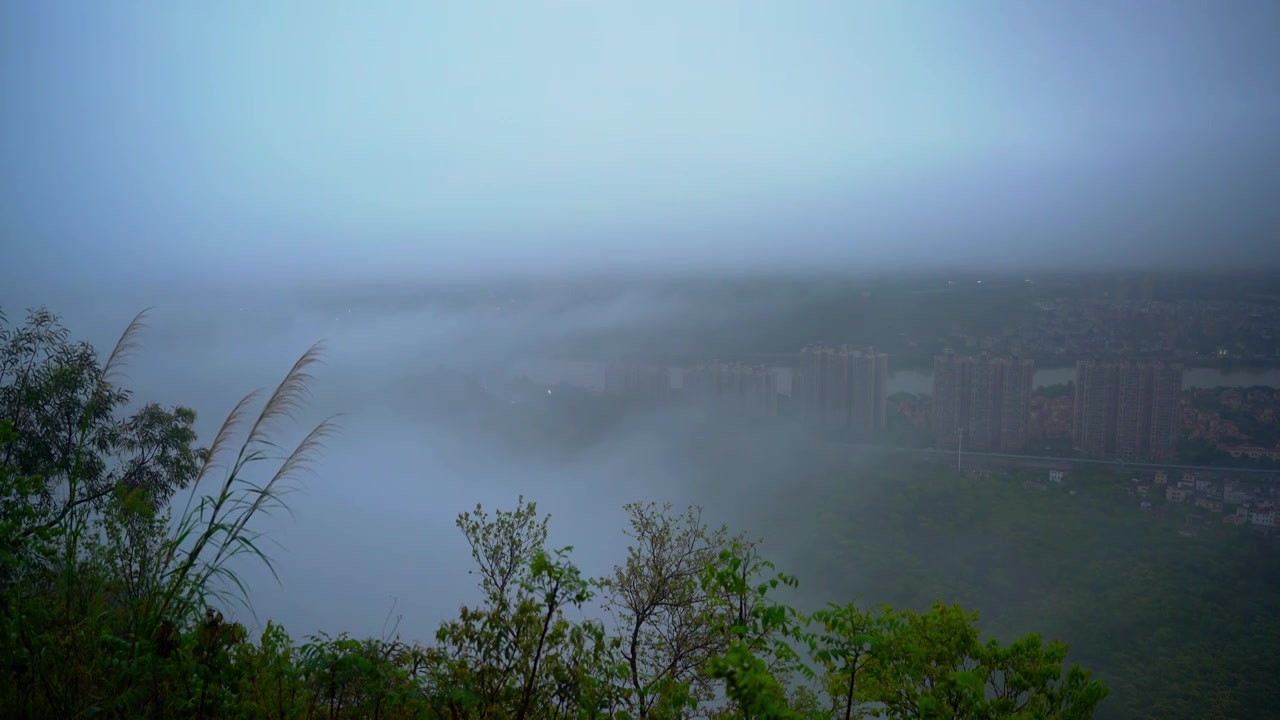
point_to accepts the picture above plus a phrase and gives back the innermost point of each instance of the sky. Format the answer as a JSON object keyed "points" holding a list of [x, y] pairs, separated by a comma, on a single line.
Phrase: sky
{"points": [[172, 142]]}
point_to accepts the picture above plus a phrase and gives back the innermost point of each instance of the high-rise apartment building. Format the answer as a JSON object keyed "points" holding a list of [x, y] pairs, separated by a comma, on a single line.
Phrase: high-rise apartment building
{"points": [[842, 389], [1093, 422], [987, 398], [1015, 398], [814, 385], [637, 380], [750, 389], [1166, 410], [952, 380], [868, 383], [1127, 409]]}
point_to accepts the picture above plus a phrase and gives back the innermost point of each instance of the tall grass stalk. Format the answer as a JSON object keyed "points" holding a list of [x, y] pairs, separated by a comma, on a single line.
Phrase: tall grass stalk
{"points": [[215, 528]]}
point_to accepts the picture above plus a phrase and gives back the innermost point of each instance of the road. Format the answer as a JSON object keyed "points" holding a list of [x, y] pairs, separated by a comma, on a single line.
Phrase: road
{"points": [[1058, 460]]}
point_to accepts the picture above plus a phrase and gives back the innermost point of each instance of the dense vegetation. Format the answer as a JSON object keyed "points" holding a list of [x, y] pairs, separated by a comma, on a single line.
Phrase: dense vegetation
{"points": [[1256, 420], [115, 536], [1177, 626]]}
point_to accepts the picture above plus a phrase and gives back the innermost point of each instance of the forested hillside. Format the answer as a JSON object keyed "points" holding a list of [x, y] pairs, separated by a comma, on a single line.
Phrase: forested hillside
{"points": [[1177, 626]]}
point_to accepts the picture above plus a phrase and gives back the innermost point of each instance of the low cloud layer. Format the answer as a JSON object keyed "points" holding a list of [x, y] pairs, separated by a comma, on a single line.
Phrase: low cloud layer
{"points": [[372, 522]]}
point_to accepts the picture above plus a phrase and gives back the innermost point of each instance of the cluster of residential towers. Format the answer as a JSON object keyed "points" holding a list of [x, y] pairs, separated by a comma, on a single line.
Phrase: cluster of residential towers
{"points": [[1125, 409]]}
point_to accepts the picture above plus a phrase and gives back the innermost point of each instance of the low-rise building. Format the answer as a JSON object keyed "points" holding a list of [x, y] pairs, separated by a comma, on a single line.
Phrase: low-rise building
{"points": [[1175, 493], [1263, 518], [1251, 452], [1234, 494], [1209, 504]]}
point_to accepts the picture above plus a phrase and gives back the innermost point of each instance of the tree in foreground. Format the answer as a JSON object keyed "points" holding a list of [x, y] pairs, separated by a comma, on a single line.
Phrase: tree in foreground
{"points": [[115, 536]]}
